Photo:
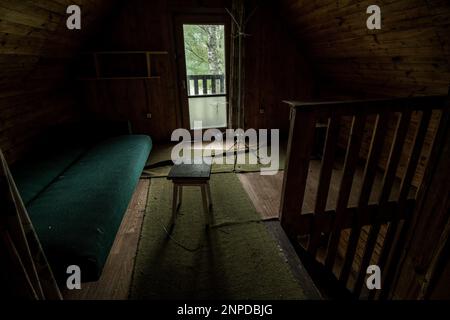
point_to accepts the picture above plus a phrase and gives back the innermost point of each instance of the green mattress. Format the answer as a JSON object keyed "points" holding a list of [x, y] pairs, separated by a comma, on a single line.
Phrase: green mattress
{"points": [[76, 198]]}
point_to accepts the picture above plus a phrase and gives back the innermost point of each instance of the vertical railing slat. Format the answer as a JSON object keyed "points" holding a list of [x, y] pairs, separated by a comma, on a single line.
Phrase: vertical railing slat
{"points": [[222, 84], [195, 85], [205, 85], [217, 84], [326, 171], [405, 186], [370, 170], [213, 84], [399, 137], [351, 160]]}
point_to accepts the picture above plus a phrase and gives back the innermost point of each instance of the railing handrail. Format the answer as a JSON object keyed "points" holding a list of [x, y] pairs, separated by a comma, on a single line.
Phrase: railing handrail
{"points": [[209, 76], [371, 106]]}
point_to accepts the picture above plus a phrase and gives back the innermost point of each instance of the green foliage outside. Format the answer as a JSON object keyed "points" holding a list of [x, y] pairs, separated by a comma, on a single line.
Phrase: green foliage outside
{"points": [[204, 49]]}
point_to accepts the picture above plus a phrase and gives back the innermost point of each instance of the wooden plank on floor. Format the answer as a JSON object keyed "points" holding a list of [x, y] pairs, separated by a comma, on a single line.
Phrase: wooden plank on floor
{"points": [[264, 192]]}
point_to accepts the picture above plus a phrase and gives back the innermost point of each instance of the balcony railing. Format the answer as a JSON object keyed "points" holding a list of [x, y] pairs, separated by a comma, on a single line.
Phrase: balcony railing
{"points": [[206, 85], [390, 218]]}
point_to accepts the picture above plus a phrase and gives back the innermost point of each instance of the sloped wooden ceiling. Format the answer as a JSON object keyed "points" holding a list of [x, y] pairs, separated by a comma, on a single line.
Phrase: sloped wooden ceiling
{"points": [[36, 51], [410, 55]]}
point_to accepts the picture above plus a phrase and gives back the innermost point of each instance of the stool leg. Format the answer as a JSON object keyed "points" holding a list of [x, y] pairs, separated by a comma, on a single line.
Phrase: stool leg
{"points": [[205, 204], [180, 190], [174, 203], [209, 196]]}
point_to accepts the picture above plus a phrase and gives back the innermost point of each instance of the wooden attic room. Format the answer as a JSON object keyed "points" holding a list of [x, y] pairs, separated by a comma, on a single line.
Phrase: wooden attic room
{"points": [[124, 174]]}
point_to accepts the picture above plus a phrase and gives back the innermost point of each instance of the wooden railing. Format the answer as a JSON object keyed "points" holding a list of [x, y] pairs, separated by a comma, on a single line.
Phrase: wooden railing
{"points": [[393, 215], [209, 85]]}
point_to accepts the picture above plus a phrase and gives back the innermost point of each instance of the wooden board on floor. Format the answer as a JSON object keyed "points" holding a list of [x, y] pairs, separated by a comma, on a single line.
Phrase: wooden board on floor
{"points": [[264, 192], [115, 281]]}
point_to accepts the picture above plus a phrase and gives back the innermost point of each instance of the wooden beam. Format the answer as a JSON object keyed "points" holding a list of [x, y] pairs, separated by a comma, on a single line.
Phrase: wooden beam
{"points": [[307, 222], [372, 106]]}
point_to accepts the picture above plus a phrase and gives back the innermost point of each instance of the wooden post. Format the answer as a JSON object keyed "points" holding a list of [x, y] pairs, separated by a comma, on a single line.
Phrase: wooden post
{"points": [[301, 139]]}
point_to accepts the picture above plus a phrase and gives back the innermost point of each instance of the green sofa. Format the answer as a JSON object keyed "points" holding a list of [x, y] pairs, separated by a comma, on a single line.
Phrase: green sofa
{"points": [[76, 196]]}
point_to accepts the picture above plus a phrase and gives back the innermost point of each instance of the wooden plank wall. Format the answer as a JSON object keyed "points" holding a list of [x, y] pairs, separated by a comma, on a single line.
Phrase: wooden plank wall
{"points": [[139, 25], [274, 67], [409, 56], [36, 49]]}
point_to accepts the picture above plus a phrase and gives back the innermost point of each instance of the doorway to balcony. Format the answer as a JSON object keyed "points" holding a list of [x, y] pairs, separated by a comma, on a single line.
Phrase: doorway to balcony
{"points": [[202, 53]]}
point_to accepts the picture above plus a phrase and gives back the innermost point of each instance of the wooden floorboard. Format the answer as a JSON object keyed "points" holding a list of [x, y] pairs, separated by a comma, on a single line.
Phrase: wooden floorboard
{"points": [[115, 281], [264, 191]]}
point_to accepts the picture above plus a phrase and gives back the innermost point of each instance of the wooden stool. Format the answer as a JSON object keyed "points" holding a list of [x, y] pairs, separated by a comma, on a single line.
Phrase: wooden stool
{"points": [[191, 175]]}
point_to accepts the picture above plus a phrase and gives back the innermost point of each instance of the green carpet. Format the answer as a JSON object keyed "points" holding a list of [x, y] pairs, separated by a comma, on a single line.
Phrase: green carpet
{"points": [[159, 162], [235, 259]]}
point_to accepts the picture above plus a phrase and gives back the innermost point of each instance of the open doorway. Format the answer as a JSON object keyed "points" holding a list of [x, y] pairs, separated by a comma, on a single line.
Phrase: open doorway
{"points": [[202, 65]]}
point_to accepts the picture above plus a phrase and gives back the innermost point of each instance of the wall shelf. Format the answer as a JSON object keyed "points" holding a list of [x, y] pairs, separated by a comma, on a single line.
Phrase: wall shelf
{"points": [[120, 65], [120, 78]]}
